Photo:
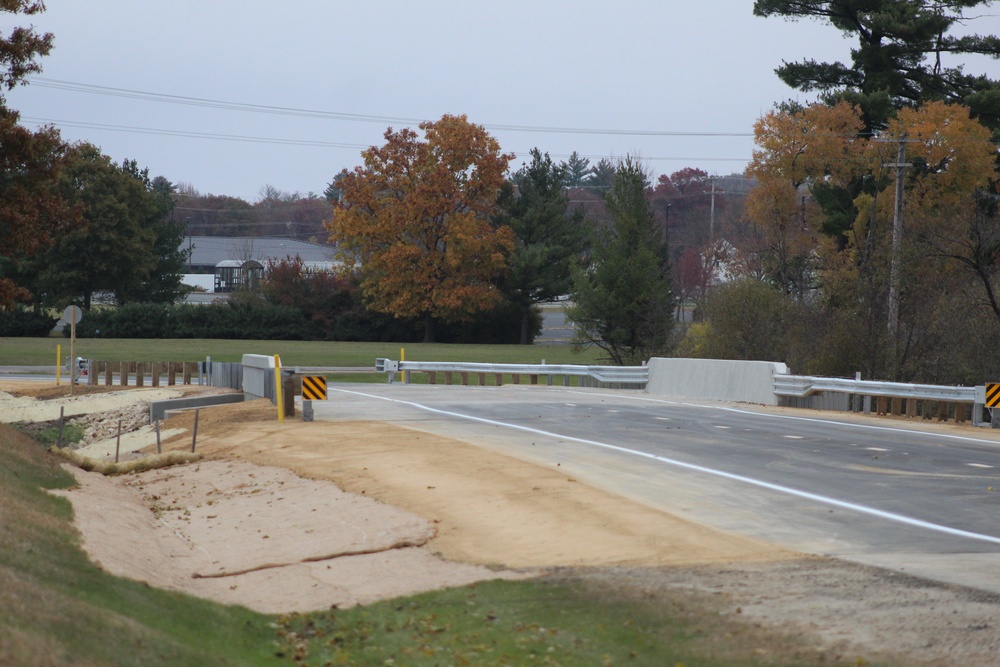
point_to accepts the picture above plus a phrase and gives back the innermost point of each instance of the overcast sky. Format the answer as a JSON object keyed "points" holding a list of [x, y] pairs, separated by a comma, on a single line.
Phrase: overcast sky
{"points": [[679, 81]]}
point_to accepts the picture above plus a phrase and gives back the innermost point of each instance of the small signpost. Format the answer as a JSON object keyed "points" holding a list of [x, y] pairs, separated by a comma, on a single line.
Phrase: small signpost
{"points": [[992, 401], [313, 389], [72, 314]]}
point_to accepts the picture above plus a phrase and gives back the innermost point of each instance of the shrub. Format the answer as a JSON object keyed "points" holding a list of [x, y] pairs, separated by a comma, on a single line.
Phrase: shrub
{"points": [[21, 322]]}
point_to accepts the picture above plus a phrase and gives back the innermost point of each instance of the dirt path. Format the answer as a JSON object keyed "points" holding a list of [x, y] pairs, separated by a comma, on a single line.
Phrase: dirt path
{"points": [[468, 513]]}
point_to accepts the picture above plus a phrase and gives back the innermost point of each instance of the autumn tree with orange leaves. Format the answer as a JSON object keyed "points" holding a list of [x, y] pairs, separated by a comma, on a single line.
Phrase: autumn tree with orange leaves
{"points": [[30, 212], [415, 219], [823, 213]]}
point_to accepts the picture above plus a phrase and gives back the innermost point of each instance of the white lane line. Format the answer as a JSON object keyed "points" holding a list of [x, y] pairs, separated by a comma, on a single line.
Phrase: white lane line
{"points": [[876, 449], [719, 426], [663, 419], [979, 465], [826, 500], [767, 415], [793, 437]]}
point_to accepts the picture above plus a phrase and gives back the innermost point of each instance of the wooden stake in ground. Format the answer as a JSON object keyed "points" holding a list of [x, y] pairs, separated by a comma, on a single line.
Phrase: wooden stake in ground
{"points": [[194, 435], [62, 409], [118, 440], [159, 447]]}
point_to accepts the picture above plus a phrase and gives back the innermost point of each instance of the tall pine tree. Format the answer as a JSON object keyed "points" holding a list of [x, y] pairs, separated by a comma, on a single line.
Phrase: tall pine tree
{"points": [[624, 303]]}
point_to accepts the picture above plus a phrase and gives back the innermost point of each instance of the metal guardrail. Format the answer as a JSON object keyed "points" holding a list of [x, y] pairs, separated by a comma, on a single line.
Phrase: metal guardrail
{"points": [[802, 385], [633, 376]]}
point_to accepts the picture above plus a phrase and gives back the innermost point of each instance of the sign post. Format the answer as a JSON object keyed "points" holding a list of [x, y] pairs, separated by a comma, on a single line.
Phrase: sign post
{"points": [[313, 389], [72, 314]]}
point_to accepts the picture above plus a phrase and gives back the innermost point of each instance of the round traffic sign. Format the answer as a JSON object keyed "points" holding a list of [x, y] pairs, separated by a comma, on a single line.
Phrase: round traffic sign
{"points": [[72, 314]]}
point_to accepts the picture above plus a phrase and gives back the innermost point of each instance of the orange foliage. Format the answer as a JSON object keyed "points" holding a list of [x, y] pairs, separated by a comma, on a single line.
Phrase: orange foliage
{"points": [[416, 216]]}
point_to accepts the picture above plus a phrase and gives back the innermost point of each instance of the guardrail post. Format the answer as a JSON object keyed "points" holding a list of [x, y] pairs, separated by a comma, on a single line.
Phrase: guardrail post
{"points": [[911, 407], [533, 379], [942, 411], [432, 377], [516, 378], [465, 378], [959, 413], [482, 379], [897, 405], [499, 378], [447, 377]]}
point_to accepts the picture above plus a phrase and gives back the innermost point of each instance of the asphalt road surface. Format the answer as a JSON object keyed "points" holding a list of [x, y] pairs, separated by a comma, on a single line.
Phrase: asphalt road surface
{"points": [[880, 493]]}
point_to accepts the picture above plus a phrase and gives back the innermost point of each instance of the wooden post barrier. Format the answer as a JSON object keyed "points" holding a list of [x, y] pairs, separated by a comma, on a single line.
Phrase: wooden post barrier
{"points": [[123, 374], [140, 370], [171, 373], [911, 407], [897, 405], [499, 378], [881, 406], [516, 378], [432, 377], [465, 378], [959, 413], [533, 379], [447, 377], [928, 410], [942, 411], [154, 379], [187, 372], [108, 370], [482, 379]]}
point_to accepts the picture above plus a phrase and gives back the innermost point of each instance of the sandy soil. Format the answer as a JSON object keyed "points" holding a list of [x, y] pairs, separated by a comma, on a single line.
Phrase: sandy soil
{"points": [[309, 515]]}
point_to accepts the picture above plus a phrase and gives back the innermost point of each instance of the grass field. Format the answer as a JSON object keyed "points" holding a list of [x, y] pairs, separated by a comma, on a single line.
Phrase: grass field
{"points": [[42, 351]]}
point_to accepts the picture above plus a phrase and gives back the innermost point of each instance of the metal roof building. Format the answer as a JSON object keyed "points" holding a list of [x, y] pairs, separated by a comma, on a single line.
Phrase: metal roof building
{"points": [[207, 252]]}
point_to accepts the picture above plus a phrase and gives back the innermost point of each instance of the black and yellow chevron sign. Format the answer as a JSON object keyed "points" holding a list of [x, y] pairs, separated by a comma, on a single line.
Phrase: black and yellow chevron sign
{"points": [[993, 395], [313, 388]]}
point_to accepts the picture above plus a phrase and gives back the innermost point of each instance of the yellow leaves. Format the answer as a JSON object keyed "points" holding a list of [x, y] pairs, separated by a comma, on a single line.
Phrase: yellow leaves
{"points": [[820, 142], [956, 150]]}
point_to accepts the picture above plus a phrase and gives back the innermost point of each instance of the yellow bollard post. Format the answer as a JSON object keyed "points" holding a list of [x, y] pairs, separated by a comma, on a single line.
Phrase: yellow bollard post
{"points": [[58, 364], [277, 388], [402, 357]]}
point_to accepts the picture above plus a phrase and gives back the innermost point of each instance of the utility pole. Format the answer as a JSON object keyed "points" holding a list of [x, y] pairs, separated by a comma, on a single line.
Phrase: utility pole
{"points": [[897, 240]]}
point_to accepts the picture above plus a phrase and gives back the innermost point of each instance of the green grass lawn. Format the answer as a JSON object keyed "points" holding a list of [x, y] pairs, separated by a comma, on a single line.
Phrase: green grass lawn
{"points": [[42, 351]]}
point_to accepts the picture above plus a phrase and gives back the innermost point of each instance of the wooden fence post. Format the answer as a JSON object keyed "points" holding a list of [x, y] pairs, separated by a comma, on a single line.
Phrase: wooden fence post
{"points": [[154, 378], [140, 370]]}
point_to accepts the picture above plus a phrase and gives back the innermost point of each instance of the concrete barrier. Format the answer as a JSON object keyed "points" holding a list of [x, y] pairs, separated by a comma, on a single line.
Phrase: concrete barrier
{"points": [[258, 376], [745, 381]]}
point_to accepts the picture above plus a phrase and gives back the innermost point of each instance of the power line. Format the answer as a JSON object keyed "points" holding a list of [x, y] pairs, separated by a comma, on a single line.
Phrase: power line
{"points": [[319, 144], [338, 115]]}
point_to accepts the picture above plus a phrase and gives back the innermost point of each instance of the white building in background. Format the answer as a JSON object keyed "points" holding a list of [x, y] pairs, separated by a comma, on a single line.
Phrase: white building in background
{"points": [[219, 264]]}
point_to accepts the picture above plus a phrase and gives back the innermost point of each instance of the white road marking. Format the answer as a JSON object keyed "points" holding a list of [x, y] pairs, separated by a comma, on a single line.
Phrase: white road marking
{"points": [[792, 437], [826, 500], [663, 419], [876, 449], [719, 426], [979, 465]]}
